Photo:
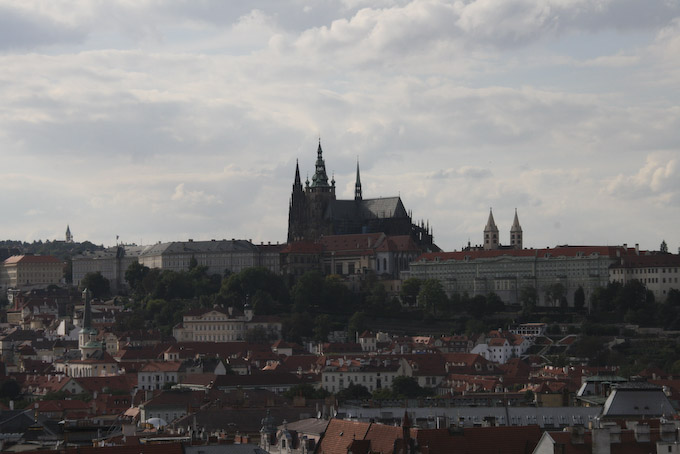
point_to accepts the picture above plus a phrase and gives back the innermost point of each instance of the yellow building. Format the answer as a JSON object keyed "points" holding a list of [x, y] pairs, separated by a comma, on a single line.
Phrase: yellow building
{"points": [[25, 270]]}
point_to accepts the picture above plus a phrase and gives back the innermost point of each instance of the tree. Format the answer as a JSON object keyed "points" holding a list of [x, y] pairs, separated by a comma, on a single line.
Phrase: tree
{"points": [[663, 248], [307, 291], [494, 303], [258, 335], [528, 296], [96, 283], [193, 263], [307, 391], [10, 389], [376, 300], [322, 326], [238, 288], [409, 291], [554, 293], [432, 296], [353, 392], [357, 325], [134, 275], [335, 297], [408, 387], [579, 299]]}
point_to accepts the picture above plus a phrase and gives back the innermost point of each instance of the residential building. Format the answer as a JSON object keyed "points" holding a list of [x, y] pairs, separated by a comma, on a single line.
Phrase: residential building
{"points": [[500, 346], [218, 325], [373, 373], [156, 374]]}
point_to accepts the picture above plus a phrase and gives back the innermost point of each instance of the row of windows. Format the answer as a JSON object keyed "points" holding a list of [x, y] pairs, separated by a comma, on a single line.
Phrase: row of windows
{"points": [[228, 327], [645, 270]]}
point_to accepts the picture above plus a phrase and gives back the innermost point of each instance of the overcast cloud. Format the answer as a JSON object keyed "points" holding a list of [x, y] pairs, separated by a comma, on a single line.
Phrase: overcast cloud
{"points": [[167, 120]]}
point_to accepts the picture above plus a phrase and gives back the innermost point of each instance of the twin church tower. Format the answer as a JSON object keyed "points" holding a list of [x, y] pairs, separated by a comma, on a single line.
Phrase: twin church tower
{"points": [[491, 239]]}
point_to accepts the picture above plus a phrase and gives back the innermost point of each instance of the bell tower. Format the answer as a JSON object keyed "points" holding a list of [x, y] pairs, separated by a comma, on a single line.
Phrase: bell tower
{"points": [[490, 233], [516, 233]]}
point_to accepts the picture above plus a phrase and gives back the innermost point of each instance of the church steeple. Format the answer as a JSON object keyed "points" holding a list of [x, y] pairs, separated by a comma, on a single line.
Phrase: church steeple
{"points": [[297, 208], [357, 185], [320, 179], [516, 233], [69, 236], [297, 184], [490, 233]]}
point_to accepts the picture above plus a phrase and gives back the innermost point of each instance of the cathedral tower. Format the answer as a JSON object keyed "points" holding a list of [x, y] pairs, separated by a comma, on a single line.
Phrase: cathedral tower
{"points": [[490, 233], [516, 233], [297, 210], [357, 185]]}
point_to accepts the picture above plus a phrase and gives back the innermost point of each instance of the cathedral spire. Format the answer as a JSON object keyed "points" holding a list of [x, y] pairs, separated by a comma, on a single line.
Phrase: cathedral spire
{"points": [[320, 178], [357, 185], [297, 185]]}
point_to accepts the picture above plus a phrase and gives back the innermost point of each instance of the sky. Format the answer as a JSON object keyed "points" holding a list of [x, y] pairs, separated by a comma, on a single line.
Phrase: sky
{"points": [[152, 120]]}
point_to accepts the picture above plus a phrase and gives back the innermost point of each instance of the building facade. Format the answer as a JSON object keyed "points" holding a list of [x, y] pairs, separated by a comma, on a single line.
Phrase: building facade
{"points": [[111, 263], [27, 270], [506, 271], [219, 256], [658, 272], [217, 325]]}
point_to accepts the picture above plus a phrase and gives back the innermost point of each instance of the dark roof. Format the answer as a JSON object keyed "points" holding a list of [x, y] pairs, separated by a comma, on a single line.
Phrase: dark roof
{"points": [[258, 380], [211, 246]]}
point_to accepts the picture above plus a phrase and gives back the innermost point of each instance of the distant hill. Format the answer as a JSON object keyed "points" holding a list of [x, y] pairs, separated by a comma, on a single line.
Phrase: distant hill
{"points": [[60, 249]]}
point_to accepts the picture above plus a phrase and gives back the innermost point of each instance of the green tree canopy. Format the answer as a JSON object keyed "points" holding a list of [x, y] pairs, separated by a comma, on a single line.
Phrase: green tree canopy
{"points": [[410, 289], [432, 296], [96, 283]]}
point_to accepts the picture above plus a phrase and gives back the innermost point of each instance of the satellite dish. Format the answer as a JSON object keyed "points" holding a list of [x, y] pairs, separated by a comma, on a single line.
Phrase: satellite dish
{"points": [[156, 422]]}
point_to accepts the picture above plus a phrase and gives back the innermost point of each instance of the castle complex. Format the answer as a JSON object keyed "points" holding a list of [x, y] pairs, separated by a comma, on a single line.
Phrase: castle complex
{"points": [[315, 212]]}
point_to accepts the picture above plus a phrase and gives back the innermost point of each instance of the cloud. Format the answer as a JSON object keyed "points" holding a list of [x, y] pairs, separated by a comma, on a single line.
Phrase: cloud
{"points": [[22, 30], [658, 179], [473, 173], [192, 197]]}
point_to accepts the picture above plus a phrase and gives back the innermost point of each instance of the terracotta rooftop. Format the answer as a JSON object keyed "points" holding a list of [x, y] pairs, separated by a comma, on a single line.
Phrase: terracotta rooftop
{"points": [[31, 259]]}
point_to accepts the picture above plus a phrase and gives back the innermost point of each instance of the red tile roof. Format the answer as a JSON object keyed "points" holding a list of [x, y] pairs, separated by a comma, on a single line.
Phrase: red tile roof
{"points": [[384, 439], [31, 259], [559, 251]]}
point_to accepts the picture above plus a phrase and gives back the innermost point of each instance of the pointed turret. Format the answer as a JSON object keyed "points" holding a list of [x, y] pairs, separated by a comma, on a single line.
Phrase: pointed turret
{"points": [[297, 184], [490, 233], [87, 311], [357, 185], [320, 178], [516, 233], [296, 209], [87, 337], [69, 236]]}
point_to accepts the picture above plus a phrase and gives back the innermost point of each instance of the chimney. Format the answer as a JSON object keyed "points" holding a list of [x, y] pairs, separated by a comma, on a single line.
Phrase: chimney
{"points": [[577, 434], [637, 249], [641, 431], [668, 432], [601, 442]]}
